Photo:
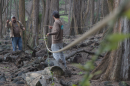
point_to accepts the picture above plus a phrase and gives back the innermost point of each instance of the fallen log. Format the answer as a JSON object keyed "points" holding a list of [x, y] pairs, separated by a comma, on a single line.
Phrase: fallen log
{"points": [[43, 76], [79, 51]]}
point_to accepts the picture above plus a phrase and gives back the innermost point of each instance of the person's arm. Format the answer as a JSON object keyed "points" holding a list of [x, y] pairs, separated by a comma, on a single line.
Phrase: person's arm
{"points": [[50, 27], [21, 26], [56, 29], [7, 24]]}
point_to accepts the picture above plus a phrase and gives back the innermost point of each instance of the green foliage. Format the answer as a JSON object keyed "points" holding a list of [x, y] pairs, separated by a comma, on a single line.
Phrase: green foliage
{"points": [[80, 73], [111, 42], [40, 39], [61, 12], [31, 52], [74, 85], [40, 18], [53, 84], [61, 2], [127, 14], [45, 38], [65, 18], [26, 18]]}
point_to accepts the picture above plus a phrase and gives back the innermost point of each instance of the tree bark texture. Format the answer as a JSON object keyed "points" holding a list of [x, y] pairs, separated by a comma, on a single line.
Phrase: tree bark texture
{"points": [[0, 18], [76, 18], [115, 66], [35, 21], [22, 19]]}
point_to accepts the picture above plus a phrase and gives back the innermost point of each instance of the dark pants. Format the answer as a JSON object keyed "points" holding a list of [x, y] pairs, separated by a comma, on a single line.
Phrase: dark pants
{"points": [[17, 41]]}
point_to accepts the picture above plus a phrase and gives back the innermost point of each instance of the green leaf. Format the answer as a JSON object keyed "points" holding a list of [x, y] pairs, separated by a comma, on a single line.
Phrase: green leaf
{"points": [[80, 73], [74, 85], [112, 41], [127, 14], [115, 38], [98, 72], [53, 84]]}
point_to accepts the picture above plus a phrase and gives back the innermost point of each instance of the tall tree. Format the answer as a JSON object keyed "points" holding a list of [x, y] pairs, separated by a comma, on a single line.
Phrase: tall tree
{"points": [[10, 7], [92, 13], [43, 16], [0, 18], [35, 21], [16, 8], [76, 18], [115, 66], [70, 11], [22, 19]]}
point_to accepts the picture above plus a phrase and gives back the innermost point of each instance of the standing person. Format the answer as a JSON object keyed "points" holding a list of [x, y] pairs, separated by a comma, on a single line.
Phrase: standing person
{"points": [[16, 29], [57, 38]]}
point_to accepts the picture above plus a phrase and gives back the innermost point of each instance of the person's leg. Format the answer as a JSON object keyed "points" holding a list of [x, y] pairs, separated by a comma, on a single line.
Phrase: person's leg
{"points": [[14, 43], [54, 47], [20, 43], [63, 58], [62, 55]]}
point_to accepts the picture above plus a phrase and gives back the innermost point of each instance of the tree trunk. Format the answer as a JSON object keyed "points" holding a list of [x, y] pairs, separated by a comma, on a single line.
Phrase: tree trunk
{"points": [[22, 19], [46, 20], [0, 18], [30, 17], [76, 18], [35, 21], [92, 13], [65, 12], [10, 7], [115, 66], [43, 16], [70, 11], [5, 17], [16, 9]]}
